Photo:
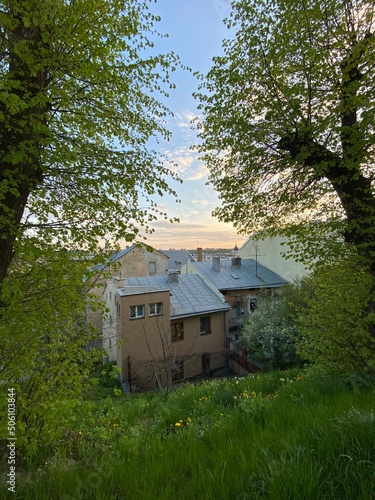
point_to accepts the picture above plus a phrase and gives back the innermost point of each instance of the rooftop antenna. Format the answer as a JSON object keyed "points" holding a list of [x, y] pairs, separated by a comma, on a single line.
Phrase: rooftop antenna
{"points": [[256, 259]]}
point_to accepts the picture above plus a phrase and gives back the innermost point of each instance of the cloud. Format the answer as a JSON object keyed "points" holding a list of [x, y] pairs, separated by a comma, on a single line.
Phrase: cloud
{"points": [[186, 235], [200, 172]]}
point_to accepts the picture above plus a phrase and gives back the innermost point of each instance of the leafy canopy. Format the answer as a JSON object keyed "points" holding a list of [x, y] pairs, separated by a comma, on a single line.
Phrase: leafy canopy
{"points": [[81, 93], [287, 117]]}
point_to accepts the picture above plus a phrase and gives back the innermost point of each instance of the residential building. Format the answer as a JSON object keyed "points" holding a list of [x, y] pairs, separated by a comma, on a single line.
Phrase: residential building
{"points": [[271, 252], [177, 259], [243, 283], [168, 328], [136, 260]]}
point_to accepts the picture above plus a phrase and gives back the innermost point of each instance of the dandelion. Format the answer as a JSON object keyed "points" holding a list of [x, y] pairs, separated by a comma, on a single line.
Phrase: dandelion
{"points": [[80, 433], [177, 424]]}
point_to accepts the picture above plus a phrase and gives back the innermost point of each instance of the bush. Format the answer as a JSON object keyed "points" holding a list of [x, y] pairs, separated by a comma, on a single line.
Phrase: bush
{"points": [[269, 336]]}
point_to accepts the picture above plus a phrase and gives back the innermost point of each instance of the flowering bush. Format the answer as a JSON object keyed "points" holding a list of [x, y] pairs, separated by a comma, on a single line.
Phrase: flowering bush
{"points": [[269, 336]]}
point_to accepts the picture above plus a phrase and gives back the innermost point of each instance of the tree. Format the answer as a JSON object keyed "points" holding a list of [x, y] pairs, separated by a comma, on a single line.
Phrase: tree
{"points": [[44, 343], [81, 94], [269, 335], [328, 312], [288, 118], [77, 111]]}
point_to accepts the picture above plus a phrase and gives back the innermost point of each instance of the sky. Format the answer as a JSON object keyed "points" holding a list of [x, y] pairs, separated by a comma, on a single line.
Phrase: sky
{"points": [[196, 31]]}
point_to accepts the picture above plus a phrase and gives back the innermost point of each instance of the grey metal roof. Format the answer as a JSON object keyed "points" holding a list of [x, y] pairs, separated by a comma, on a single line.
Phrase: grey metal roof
{"points": [[114, 257], [250, 274], [190, 296], [177, 258]]}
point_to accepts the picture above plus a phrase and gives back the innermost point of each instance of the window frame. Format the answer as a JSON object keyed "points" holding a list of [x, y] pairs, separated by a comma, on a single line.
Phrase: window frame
{"points": [[207, 320], [157, 312], [177, 331], [137, 315], [152, 267]]}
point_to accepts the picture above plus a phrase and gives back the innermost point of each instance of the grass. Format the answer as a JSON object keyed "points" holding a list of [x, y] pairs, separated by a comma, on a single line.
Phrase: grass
{"points": [[292, 435]]}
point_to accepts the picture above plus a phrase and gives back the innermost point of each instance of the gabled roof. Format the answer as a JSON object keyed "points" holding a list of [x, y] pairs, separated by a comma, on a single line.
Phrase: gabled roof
{"points": [[189, 296], [117, 255], [249, 275], [177, 258]]}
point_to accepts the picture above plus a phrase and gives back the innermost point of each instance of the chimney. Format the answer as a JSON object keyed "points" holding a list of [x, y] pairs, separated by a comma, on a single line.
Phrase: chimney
{"points": [[173, 277], [216, 264], [199, 254], [120, 282], [236, 261]]}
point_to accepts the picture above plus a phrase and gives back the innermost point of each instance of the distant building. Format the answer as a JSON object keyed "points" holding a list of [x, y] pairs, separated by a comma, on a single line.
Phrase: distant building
{"points": [[177, 259], [270, 253]]}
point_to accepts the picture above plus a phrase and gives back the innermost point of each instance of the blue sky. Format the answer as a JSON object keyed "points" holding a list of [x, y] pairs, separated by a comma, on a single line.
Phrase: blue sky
{"points": [[195, 30]]}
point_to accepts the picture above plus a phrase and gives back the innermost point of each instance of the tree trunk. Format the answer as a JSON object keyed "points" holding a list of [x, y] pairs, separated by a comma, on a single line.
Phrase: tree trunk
{"points": [[24, 132]]}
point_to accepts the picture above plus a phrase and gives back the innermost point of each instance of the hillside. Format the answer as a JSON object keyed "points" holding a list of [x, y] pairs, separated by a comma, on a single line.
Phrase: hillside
{"points": [[281, 435]]}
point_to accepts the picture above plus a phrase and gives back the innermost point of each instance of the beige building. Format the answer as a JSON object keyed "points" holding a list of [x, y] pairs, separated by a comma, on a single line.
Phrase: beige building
{"points": [[135, 260], [271, 252], [168, 329]]}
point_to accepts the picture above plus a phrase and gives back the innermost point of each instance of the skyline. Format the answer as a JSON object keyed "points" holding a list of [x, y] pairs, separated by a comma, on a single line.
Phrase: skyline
{"points": [[196, 31]]}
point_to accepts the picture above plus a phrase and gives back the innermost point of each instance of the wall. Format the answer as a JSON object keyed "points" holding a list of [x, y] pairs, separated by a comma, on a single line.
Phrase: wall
{"points": [[137, 262], [269, 252], [146, 340]]}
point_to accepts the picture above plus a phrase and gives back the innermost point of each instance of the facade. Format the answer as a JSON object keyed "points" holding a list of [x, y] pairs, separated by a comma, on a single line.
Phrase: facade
{"points": [[138, 260], [270, 253], [166, 329], [135, 260]]}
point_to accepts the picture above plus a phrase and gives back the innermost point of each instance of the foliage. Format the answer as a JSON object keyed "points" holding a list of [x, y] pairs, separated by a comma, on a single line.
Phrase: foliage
{"points": [[284, 433], [269, 336], [81, 102], [287, 128], [79, 109], [44, 343], [334, 316]]}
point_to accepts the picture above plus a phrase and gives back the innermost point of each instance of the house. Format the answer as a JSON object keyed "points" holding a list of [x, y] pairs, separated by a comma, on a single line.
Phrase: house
{"points": [[177, 259], [270, 252], [136, 260], [242, 282], [168, 328]]}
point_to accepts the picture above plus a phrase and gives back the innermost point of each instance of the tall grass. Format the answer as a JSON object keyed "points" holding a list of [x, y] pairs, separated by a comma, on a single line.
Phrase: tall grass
{"points": [[277, 436]]}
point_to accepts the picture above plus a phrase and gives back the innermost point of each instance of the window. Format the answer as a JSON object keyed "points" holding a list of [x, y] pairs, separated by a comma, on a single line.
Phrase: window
{"points": [[178, 371], [252, 304], [205, 326], [155, 309], [137, 312], [177, 331], [152, 268]]}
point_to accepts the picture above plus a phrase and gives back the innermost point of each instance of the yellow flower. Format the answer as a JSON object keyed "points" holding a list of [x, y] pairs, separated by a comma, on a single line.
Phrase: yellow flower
{"points": [[177, 424]]}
